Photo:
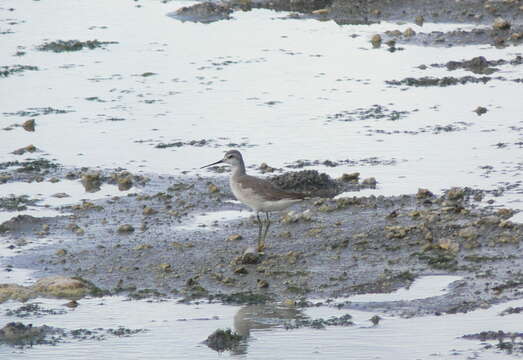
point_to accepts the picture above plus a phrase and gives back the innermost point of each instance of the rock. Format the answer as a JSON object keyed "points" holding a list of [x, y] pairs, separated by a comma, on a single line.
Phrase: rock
{"points": [[165, 267], [249, 257], [18, 334], [61, 252], [61, 195], [309, 181], [142, 247], [409, 32], [324, 11], [419, 20], [213, 188], [149, 211], [375, 320], [205, 12], [468, 233], [501, 24], [293, 217], [125, 228], [72, 45], [72, 304], [369, 182], [264, 168], [455, 193], [262, 284], [241, 270], [480, 110], [61, 286], [234, 237], [29, 125], [396, 232], [352, 177], [448, 244], [222, 340], [424, 193], [376, 40], [91, 182], [124, 183], [15, 292], [28, 148]]}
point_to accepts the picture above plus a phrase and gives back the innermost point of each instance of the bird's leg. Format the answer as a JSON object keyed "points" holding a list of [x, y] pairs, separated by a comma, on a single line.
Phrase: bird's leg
{"points": [[260, 228], [268, 223]]}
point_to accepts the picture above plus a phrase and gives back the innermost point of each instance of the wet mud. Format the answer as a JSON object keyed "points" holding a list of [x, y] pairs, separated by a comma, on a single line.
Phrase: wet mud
{"points": [[498, 23], [185, 236], [325, 247]]}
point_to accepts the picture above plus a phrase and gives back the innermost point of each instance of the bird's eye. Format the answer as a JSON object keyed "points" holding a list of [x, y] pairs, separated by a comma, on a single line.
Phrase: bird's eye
{"points": [[229, 156]]}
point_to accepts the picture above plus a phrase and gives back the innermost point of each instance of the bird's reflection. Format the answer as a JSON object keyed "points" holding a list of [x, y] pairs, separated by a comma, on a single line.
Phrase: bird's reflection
{"points": [[260, 317]]}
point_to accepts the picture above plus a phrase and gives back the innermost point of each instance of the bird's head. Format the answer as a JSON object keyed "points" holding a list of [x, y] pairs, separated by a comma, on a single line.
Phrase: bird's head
{"points": [[231, 157]]}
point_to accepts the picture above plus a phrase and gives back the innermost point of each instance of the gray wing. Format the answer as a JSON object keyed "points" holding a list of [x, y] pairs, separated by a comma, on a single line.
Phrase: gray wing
{"points": [[267, 190]]}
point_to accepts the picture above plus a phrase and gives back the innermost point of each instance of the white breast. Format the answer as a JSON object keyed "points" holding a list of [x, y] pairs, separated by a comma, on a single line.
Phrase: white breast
{"points": [[256, 202]]}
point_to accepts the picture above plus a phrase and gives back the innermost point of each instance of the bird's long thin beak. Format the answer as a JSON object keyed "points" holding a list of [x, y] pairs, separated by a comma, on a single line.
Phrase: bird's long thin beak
{"points": [[214, 163]]}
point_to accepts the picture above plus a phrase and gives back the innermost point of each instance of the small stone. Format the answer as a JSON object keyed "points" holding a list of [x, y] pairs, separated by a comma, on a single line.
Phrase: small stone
{"points": [[501, 24], [241, 270], [376, 40], [61, 195], [234, 237], [91, 181], [61, 252], [165, 267], [455, 193], [369, 182], [125, 183], [72, 304], [213, 188], [448, 244], [149, 211], [516, 36], [249, 257], [409, 32], [321, 11], [262, 284], [266, 168], [480, 110], [419, 20], [352, 177], [468, 233], [424, 193], [392, 43], [126, 228], [28, 148], [142, 247], [375, 320], [29, 125]]}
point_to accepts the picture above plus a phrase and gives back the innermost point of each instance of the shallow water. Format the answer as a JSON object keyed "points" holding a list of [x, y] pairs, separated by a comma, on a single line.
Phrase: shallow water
{"points": [[176, 330], [48, 204], [271, 85], [260, 79], [424, 287]]}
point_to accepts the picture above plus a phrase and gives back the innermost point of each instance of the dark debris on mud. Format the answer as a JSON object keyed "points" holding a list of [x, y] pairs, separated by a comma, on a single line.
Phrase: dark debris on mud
{"points": [[6, 71], [344, 320], [33, 310], [20, 335], [72, 45], [222, 340], [382, 242], [510, 342]]}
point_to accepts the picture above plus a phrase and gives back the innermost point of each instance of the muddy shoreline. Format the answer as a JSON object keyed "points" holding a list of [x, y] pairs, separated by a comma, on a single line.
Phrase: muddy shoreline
{"points": [[140, 244]]}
